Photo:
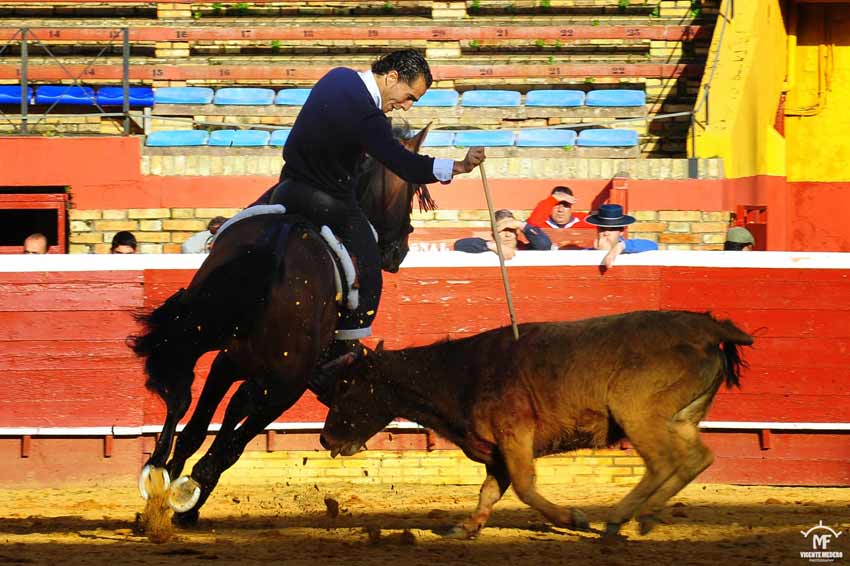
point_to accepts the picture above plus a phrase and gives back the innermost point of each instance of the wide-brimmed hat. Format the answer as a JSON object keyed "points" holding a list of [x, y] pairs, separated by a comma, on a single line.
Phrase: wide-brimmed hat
{"points": [[740, 235], [610, 216]]}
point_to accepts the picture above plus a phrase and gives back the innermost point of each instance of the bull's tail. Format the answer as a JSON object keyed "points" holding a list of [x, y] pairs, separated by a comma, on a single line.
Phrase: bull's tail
{"points": [[731, 340]]}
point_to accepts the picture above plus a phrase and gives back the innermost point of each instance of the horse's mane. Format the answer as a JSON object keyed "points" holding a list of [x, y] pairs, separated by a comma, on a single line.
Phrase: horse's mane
{"points": [[369, 165]]}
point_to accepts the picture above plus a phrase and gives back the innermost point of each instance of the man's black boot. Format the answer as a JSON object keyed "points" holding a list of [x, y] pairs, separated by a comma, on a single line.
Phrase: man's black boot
{"points": [[322, 381]]}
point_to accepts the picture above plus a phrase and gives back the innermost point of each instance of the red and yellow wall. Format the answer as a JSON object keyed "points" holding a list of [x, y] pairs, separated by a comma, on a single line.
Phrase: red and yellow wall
{"points": [[777, 95]]}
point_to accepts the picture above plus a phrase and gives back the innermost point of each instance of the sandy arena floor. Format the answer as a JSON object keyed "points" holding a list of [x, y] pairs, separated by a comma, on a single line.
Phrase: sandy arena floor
{"points": [[706, 524]]}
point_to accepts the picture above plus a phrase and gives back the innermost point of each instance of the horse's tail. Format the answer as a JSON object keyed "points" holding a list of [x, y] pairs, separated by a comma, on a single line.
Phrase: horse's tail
{"points": [[168, 325], [218, 307], [731, 340]]}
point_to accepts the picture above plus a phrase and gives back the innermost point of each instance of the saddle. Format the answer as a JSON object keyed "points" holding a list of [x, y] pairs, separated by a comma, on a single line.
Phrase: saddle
{"points": [[345, 270]]}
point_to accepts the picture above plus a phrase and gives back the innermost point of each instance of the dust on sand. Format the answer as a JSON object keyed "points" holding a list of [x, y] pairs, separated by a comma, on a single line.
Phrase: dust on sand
{"points": [[377, 524]]}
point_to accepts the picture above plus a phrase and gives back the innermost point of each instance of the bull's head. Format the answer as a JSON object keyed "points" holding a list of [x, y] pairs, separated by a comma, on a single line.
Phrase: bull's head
{"points": [[361, 407]]}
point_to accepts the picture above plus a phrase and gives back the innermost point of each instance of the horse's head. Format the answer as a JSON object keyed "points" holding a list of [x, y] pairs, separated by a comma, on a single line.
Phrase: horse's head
{"points": [[388, 202]]}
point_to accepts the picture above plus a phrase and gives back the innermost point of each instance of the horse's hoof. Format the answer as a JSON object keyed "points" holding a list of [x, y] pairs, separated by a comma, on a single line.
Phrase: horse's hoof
{"points": [[153, 480], [186, 520], [184, 494], [580, 522], [460, 532], [647, 523]]}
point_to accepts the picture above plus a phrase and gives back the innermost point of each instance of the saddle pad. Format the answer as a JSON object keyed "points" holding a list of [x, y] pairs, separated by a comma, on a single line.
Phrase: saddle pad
{"points": [[336, 248]]}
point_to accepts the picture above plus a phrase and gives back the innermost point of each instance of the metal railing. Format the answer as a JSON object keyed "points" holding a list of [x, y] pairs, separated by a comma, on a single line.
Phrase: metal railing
{"points": [[27, 39]]}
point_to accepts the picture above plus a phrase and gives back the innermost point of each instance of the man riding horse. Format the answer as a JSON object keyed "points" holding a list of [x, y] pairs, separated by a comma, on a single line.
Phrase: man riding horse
{"points": [[343, 118]]}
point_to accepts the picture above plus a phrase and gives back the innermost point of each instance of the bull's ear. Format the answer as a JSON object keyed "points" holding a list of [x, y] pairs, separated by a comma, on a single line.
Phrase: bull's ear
{"points": [[414, 143], [379, 349]]}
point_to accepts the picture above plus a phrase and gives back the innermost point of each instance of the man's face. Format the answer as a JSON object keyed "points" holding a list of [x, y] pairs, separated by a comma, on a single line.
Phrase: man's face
{"points": [[35, 246], [562, 212], [607, 238], [397, 94], [508, 238], [123, 250]]}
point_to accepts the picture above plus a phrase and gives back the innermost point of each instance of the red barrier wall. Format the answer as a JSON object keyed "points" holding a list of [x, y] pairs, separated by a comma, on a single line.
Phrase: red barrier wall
{"points": [[65, 364]]}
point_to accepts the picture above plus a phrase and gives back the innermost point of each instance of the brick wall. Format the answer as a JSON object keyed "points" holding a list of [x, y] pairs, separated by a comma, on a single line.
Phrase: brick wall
{"points": [[437, 467], [162, 230]]}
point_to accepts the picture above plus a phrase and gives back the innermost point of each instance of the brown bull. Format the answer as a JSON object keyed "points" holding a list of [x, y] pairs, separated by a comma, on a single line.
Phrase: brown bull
{"points": [[647, 376]]}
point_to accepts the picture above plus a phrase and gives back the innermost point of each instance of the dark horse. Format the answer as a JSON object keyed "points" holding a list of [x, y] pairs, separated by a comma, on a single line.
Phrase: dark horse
{"points": [[270, 315]]}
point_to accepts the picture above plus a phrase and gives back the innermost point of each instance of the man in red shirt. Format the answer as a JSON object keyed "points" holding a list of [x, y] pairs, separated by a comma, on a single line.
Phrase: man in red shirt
{"points": [[556, 211]]}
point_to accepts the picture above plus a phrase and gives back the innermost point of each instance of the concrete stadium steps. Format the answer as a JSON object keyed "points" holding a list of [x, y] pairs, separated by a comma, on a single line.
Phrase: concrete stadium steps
{"points": [[502, 163], [201, 9]]}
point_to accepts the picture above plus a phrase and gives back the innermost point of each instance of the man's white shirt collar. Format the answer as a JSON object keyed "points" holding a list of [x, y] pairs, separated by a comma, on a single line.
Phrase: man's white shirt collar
{"points": [[372, 86]]}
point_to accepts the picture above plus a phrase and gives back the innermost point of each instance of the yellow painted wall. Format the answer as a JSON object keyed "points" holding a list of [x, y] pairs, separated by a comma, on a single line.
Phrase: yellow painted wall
{"points": [[746, 85], [818, 104]]}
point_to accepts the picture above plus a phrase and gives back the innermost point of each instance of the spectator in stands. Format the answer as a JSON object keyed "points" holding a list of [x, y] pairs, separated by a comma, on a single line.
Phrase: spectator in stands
{"points": [[123, 242], [739, 239], [201, 242], [343, 118], [35, 244], [507, 230], [556, 211], [610, 221]]}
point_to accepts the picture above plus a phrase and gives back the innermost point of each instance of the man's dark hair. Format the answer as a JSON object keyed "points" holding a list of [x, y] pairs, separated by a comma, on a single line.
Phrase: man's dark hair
{"points": [[408, 63], [735, 246], [215, 224], [124, 238], [562, 189]]}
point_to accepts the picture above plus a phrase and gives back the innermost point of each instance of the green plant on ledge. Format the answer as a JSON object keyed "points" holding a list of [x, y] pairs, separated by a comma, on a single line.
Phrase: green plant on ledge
{"points": [[388, 6], [474, 44], [275, 46], [594, 23], [545, 4], [539, 43], [241, 8], [216, 8], [622, 5], [696, 8], [475, 6]]}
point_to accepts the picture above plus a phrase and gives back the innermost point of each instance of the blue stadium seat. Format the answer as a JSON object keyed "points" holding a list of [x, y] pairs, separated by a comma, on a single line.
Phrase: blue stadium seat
{"points": [[244, 96], [221, 138], [173, 138], [546, 138], [613, 97], [61, 94], [183, 95], [554, 98], [438, 98], [292, 96], [491, 98], [484, 138], [439, 138], [140, 96], [251, 138], [607, 138], [11, 94], [279, 137]]}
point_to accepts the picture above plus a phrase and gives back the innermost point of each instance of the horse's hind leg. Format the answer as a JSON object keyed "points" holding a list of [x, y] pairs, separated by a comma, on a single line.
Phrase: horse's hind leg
{"points": [[177, 395], [266, 404], [223, 374], [238, 408]]}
